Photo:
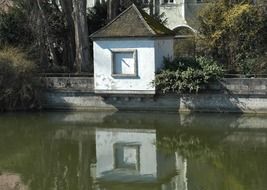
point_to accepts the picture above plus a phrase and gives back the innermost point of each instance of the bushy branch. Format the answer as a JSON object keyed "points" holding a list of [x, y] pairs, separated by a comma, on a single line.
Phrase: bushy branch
{"points": [[185, 75]]}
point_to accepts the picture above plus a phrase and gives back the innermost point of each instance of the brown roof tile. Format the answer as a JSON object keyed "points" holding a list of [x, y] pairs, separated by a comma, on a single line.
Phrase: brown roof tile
{"points": [[133, 23]]}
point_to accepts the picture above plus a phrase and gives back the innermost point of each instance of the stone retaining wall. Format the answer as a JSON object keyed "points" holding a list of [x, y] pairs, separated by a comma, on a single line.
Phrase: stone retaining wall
{"points": [[228, 95], [170, 102], [68, 83], [245, 86]]}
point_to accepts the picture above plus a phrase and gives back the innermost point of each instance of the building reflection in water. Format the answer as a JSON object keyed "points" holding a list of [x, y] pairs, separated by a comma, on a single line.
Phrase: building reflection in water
{"points": [[130, 156], [133, 152]]}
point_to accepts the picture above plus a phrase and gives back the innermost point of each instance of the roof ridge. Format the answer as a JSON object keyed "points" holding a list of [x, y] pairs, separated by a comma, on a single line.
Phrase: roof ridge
{"points": [[143, 19], [116, 18], [137, 23]]}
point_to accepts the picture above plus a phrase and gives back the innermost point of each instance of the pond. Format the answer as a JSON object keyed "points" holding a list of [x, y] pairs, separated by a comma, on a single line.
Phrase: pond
{"points": [[132, 151]]}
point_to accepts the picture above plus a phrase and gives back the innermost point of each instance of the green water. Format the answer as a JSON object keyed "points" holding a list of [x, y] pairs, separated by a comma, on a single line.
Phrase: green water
{"points": [[132, 151]]}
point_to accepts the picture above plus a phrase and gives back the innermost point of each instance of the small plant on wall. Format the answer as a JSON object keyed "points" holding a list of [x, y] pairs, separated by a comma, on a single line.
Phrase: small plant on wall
{"points": [[187, 75]]}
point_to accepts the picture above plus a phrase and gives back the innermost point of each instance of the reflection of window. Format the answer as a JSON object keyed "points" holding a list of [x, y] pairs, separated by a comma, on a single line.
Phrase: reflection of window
{"points": [[127, 156], [199, 1], [124, 62]]}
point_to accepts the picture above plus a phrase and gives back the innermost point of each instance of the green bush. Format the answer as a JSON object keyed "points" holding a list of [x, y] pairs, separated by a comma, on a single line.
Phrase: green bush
{"points": [[18, 85], [234, 33], [14, 28], [187, 74], [180, 63]]}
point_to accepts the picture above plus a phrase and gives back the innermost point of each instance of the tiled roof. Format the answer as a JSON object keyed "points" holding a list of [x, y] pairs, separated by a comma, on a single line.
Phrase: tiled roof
{"points": [[133, 23]]}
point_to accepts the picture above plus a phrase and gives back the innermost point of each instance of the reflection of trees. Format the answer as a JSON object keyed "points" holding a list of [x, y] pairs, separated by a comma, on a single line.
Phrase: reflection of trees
{"points": [[191, 144], [44, 162], [52, 154], [214, 163], [233, 169]]}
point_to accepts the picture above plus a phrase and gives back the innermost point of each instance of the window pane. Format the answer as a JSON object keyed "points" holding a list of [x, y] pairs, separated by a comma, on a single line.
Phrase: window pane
{"points": [[127, 156], [124, 63]]}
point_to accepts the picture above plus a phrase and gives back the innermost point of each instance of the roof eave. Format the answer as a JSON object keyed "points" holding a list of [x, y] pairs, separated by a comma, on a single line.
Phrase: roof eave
{"points": [[131, 37]]}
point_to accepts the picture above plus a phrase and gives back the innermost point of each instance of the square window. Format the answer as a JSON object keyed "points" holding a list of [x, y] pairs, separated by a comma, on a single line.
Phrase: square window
{"points": [[124, 63], [127, 156]]}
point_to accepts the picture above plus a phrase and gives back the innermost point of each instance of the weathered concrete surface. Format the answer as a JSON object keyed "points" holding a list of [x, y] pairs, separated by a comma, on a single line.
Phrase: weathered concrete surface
{"points": [[172, 102], [240, 86], [245, 86], [63, 83], [227, 95]]}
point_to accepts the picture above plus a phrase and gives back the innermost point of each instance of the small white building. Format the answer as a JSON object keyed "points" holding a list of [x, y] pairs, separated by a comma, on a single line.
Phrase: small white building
{"points": [[128, 52]]}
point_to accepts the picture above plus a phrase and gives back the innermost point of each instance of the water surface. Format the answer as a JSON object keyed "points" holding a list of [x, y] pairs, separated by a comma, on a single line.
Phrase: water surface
{"points": [[132, 151]]}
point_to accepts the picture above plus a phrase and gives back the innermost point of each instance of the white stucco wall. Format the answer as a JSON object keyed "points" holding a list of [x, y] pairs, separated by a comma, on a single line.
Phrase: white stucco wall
{"points": [[175, 13], [104, 81], [179, 13], [105, 140], [163, 48]]}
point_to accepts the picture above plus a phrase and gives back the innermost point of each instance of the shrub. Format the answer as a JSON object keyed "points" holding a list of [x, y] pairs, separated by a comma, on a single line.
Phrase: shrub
{"points": [[18, 86], [14, 28], [180, 63], [233, 32], [187, 74]]}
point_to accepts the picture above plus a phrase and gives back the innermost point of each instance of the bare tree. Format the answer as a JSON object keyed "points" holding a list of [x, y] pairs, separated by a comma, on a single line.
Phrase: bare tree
{"points": [[113, 8], [48, 38], [81, 35], [70, 50]]}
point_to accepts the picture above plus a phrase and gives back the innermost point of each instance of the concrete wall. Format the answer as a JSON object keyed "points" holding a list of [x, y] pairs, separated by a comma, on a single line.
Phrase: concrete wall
{"points": [[237, 86], [68, 83], [175, 13], [228, 95], [244, 86], [141, 84], [163, 48], [171, 102]]}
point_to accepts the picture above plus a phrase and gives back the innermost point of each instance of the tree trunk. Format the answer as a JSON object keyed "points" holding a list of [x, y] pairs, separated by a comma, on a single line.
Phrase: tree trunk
{"points": [[151, 7], [69, 42], [48, 39], [35, 18], [113, 8], [81, 35]]}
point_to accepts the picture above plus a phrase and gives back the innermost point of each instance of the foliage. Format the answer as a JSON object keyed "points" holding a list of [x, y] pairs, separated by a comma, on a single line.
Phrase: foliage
{"points": [[14, 29], [187, 74], [184, 47], [233, 32], [188, 145], [161, 18], [18, 87], [23, 26], [97, 17], [47, 29]]}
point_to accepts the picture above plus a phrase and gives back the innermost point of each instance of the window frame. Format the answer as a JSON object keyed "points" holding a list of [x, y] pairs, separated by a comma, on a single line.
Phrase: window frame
{"points": [[121, 146], [113, 62]]}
